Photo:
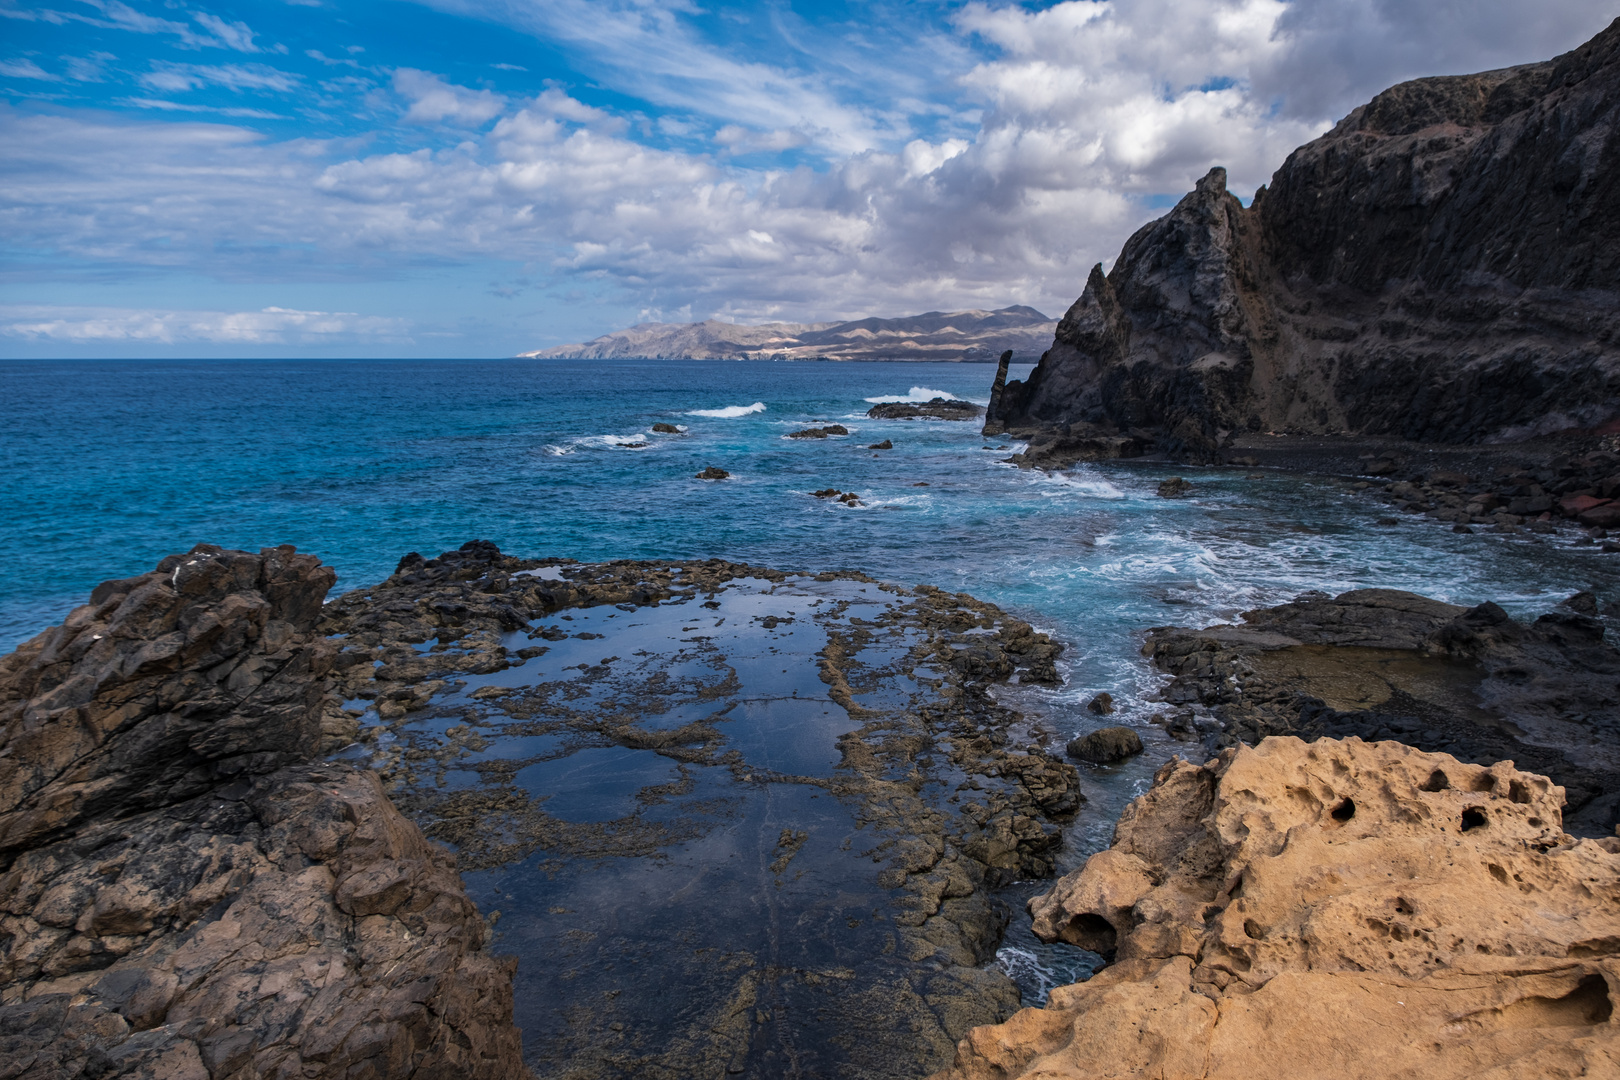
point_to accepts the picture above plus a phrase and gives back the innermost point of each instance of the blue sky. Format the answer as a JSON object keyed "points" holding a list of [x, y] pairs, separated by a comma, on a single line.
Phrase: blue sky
{"points": [[459, 178]]}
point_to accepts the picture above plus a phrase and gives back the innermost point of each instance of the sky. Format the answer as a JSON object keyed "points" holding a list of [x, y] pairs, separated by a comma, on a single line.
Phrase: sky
{"points": [[468, 178]]}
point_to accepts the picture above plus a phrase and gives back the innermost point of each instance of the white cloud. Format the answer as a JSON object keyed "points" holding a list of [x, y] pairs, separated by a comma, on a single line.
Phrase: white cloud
{"points": [[175, 106], [270, 326], [26, 69], [434, 101], [229, 35], [169, 77], [1088, 117]]}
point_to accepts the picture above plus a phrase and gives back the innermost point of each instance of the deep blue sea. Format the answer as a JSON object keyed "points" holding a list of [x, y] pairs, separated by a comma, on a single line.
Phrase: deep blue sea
{"points": [[109, 466]]}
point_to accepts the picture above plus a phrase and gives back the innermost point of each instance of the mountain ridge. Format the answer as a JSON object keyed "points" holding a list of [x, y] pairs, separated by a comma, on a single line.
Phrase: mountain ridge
{"points": [[972, 336]]}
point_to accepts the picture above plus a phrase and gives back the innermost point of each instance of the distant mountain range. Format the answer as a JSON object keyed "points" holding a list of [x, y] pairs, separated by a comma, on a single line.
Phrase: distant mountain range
{"points": [[937, 335]]}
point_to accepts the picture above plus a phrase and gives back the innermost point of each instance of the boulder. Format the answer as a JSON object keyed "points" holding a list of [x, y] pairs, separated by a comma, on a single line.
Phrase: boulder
{"points": [[1340, 908], [713, 472], [884, 445], [1107, 746], [662, 428], [1102, 704]]}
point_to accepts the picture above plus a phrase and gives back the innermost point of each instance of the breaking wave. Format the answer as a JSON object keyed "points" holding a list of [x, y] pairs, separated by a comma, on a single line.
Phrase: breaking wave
{"points": [[730, 412], [918, 395], [637, 441]]}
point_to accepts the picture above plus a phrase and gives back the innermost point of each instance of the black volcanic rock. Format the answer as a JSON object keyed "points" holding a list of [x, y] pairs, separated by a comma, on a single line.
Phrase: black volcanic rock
{"points": [[1444, 266], [184, 892], [936, 409]]}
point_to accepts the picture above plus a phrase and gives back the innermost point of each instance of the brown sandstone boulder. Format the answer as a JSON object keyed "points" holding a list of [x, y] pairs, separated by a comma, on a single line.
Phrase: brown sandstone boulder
{"points": [[1333, 909]]}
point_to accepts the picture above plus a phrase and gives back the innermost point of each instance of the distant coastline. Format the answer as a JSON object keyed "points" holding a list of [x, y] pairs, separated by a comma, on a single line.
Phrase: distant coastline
{"points": [[950, 337]]}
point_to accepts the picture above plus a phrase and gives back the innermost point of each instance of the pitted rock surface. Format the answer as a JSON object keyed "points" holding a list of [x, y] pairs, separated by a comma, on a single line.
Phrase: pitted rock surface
{"points": [[181, 893], [1439, 267], [1337, 908]]}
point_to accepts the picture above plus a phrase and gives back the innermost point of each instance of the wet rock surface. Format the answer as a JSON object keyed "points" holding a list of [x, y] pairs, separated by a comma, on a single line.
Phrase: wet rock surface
{"points": [[1439, 267], [1384, 664], [1106, 746], [819, 432], [937, 409], [1337, 908], [182, 893], [733, 820]]}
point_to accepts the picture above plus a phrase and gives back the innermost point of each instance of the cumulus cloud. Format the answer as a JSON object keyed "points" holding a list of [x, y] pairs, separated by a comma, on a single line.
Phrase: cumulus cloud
{"points": [[1087, 118], [434, 101], [271, 326]]}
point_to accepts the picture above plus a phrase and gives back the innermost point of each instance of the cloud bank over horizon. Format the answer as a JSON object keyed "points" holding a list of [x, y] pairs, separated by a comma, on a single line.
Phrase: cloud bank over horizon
{"points": [[485, 178]]}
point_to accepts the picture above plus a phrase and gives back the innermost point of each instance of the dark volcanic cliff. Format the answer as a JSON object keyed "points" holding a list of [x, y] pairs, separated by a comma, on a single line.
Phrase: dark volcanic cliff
{"points": [[1444, 265]]}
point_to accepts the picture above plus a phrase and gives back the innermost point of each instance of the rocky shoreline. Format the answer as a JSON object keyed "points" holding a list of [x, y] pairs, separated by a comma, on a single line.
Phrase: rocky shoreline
{"points": [[190, 890], [185, 891]]}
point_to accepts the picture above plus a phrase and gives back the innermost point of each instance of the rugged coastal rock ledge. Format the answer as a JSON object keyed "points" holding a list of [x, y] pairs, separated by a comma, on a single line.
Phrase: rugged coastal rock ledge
{"points": [[184, 893], [1439, 267], [188, 891], [1333, 909], [1385, 664]]}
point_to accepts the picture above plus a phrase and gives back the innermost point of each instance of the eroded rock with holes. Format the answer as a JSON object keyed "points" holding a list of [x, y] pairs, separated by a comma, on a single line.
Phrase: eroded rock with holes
{"points": [[1341, 909]]}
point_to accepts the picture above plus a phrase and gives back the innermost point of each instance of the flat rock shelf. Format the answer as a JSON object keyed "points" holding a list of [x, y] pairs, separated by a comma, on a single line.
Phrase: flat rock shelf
{"points": [[730, 821]]}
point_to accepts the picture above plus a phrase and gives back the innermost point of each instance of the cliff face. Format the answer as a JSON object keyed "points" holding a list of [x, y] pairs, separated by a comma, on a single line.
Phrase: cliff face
{"points": [[1444, 265], [1337, 909], [182, 893]]}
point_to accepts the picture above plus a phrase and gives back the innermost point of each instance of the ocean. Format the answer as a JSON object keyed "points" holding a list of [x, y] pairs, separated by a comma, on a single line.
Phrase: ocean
{"points": [[111, 465]]}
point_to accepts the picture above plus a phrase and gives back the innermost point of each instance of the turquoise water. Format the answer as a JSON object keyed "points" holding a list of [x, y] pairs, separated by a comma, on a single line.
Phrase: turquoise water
{"points": [[109, 466]]}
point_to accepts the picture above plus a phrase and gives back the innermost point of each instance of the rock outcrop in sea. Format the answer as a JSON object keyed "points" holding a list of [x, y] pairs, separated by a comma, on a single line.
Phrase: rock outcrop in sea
{"points": [[1442, 266], [185, 891], [1333, 909]]}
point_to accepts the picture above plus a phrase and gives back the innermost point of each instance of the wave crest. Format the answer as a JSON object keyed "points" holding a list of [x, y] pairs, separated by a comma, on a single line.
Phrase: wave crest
{"points": [[730, 412], [918, 395]]}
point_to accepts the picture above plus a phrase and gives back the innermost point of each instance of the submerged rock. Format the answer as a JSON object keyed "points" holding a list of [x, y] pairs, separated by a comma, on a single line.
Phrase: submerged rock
{"points": [[183, 893], [1268, 913], [1441, 266], [1174, 488], [662, 428], [713, 472]]}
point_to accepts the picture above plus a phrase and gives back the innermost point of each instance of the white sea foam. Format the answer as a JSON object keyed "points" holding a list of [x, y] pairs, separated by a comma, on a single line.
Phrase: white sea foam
{"points": [[919, 394], [638, 441], [730, 412]]}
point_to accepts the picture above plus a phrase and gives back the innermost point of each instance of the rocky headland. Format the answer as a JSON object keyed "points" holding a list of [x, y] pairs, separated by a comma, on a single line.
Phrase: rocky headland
{"points": [[186, 890], [1330, 909], [1441, 267]]}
